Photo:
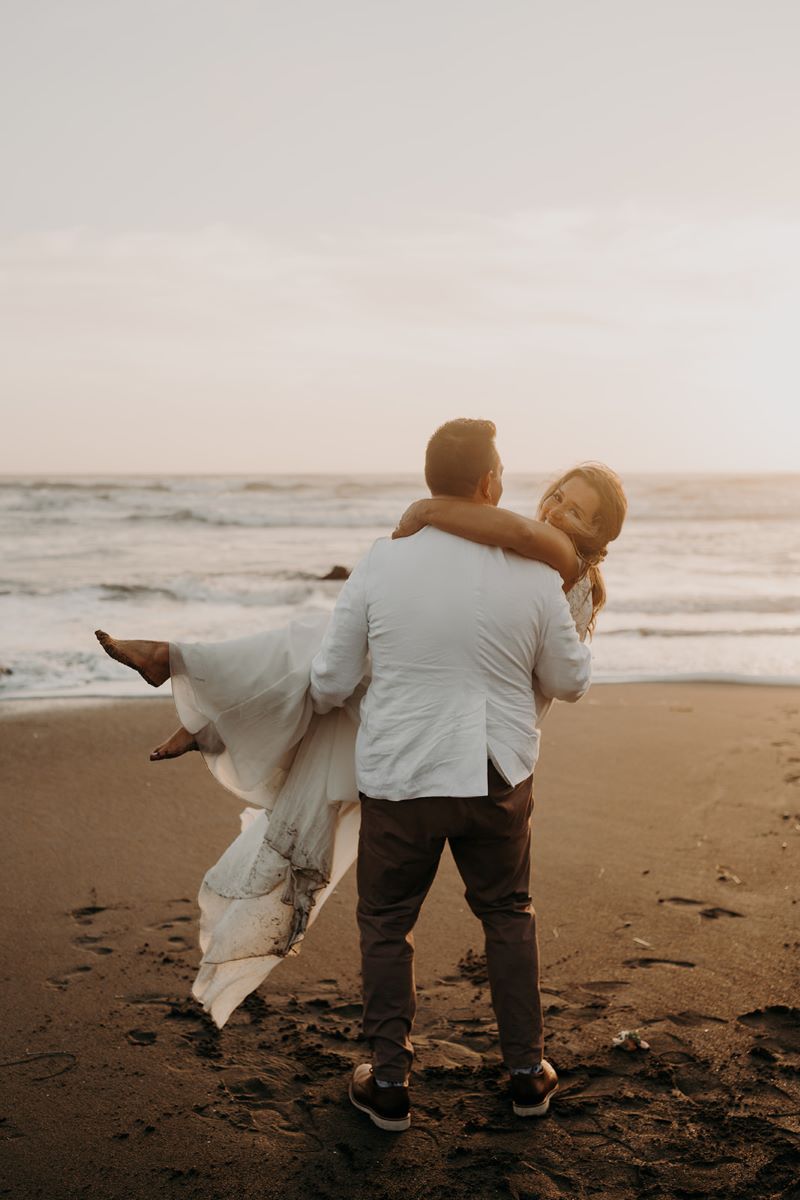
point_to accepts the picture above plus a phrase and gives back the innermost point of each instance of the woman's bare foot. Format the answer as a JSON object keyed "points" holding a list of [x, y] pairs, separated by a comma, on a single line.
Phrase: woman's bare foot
{"points": [[180, 742], [150, 659]]}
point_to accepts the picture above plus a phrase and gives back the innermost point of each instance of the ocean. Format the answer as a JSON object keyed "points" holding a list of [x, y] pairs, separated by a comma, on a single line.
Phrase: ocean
{"points": [[704, 582]]}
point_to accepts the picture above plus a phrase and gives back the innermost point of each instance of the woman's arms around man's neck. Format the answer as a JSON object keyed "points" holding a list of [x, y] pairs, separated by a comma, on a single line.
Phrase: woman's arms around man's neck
{"points": [[495, 527]]}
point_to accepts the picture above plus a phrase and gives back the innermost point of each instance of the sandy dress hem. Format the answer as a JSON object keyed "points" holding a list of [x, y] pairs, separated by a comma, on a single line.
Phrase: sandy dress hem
{"points": [[246, 701]]}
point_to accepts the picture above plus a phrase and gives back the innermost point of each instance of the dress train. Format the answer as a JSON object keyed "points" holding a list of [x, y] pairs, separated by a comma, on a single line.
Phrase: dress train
{"points": [[246, 702]]}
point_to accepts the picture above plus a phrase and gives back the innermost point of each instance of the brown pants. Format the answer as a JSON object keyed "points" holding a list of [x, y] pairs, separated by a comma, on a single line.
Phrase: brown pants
{"points": [[399, 849]]}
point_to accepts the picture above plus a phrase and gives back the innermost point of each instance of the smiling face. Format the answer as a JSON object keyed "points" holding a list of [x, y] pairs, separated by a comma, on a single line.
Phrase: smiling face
{"points": [[574, 502], [588, 504], [496, 485]]}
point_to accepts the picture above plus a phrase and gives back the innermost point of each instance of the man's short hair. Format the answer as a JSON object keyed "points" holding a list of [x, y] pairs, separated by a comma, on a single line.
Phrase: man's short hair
{"points": [[458, 456]]}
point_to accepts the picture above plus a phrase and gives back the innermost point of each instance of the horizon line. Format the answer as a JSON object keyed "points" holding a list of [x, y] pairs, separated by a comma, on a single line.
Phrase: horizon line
{"points": [[729, 472]]}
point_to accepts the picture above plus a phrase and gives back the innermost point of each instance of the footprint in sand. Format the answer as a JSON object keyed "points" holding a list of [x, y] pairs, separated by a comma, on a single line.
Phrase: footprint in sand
{"points": [[87, 942], [141, 1037], [710, 912], [176, 941], [581, 1003], [777, 1027], [677, 1072], [693, 1076], [579, 993], [179, 943], [9, 1131], [691, 1019], [592, 1082], [658, 962], [63, 980], [713, 913], [603, 986], [349, 1011], [199, 1030], [84, 916], [94, 943], [59, 1062], [272, 1101], [170, 922]]}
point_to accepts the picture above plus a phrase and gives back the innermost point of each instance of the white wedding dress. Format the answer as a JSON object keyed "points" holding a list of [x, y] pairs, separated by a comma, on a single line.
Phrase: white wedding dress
{"points": [[247, 703]]}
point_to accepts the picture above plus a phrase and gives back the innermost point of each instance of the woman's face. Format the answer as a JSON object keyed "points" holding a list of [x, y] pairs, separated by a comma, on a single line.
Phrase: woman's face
{"points": [[575, 501]]}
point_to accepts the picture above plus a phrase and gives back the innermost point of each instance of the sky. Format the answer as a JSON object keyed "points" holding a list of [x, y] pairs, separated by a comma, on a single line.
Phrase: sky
{"points": [[268, 236]]}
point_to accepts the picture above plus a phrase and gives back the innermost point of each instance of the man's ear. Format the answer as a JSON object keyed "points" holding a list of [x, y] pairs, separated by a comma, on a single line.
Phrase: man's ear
{"points": [[485, 486]]}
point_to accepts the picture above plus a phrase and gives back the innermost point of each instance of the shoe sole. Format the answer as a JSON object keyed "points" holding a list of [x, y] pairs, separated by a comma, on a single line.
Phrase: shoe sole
{"points": [[534, 1110], [399, 1125]]}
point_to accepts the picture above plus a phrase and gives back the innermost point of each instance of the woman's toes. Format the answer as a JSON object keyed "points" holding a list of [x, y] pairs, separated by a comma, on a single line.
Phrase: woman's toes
{"points": [[180, 743]]}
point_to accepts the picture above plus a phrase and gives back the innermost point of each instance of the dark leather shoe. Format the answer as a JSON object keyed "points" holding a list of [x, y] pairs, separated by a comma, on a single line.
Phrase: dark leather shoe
{"points": [[388, 1108], [531, 1094]]}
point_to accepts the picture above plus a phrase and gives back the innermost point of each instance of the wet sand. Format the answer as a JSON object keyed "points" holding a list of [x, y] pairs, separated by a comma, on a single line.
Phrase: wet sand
{"points": [[666, 881]]}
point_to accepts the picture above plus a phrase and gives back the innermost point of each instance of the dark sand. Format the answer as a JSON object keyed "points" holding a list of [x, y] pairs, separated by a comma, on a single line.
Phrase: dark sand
{"points": [[667, 842]]}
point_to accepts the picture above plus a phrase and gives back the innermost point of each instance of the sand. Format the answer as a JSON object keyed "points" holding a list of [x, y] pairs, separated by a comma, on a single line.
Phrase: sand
{"points": [[666, 847]]}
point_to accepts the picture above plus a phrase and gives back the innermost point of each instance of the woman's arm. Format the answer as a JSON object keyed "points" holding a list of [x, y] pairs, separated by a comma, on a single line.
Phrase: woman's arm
{"points": [[495, 527]]}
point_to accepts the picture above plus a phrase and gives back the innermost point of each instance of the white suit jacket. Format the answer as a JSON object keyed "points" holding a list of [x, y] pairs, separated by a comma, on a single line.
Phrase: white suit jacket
{"points": [[455, 632]]}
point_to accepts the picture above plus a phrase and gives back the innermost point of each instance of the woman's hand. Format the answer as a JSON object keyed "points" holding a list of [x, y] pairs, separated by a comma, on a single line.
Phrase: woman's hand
{"points": [[491, 526], [413, 519]]}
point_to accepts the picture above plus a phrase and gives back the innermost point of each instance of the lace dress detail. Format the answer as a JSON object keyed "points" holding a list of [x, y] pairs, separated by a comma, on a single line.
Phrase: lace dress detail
{"points": [[579, 598]]}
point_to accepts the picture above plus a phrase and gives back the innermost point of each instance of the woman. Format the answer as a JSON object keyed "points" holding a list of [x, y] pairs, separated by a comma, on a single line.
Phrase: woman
{"points": [[244, 703]]}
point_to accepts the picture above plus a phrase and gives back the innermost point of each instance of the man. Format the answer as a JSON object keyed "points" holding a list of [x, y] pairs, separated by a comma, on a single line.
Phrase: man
{"points": [[445, 752]]}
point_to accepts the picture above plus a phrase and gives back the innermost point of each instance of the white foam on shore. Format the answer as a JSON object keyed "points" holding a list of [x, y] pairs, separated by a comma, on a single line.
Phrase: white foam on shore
{"points": [[702, 677], [13, 706], [42, 701]]}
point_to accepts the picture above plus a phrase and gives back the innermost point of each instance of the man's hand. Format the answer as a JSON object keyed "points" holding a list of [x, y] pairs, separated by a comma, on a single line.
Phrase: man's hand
{"points": [[413, 519]]}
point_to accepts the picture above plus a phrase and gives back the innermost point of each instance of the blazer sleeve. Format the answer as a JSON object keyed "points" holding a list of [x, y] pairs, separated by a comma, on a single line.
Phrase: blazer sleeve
{"points": [[563, 667], [341, 661]]}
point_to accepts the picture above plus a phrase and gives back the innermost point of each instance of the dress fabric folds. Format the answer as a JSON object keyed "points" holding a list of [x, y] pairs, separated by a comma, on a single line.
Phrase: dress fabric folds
{"points": [[246, 701]]}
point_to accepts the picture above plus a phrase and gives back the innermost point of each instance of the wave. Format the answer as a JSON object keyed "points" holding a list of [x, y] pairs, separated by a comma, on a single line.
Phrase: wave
{"points": [[128, 591], [727, 516], [87, 486], [642, 617], [288, 589], [93, 689], [258, 485], [703, 605], [327, 489], [660, 507], [649, 631], [698, 677], [102, 591], [326, 519], [180, 515]]}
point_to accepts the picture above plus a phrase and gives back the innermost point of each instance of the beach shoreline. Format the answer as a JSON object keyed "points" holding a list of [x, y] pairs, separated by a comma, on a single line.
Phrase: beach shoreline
{"points": [[704, 580], [666, 843], [12, 704]]}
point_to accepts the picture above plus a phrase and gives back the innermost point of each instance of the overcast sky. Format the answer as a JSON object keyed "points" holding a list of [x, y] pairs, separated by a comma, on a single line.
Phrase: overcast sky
{"points": [[261, 236]]}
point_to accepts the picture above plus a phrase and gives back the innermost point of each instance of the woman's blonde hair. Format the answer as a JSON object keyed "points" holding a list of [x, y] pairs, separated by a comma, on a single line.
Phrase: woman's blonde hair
{"points": [[591, 539]]}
